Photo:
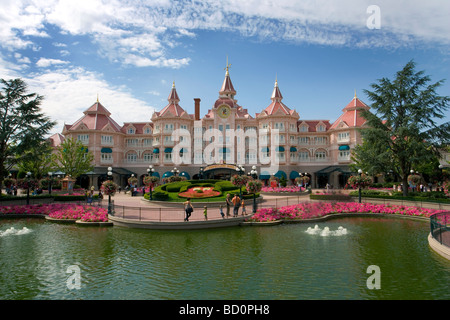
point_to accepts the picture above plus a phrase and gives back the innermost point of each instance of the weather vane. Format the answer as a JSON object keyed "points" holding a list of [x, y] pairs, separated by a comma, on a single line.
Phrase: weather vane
{"points": [[228, 66]]}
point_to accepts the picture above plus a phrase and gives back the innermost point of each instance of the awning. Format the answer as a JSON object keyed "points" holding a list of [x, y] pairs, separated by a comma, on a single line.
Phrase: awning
{"points": [[264, 175], [293, 175], [224, 150], [265, 149], [293, 149], [167, 174], [183, 150], [168, 150], [156, 150], [345, 147], [280, 174], [106, 150], [104, 171], [331, 169], [185, 174], [155, 174], [280, 149]]}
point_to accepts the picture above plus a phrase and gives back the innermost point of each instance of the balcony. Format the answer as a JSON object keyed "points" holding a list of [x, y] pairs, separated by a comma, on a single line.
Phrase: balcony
{"points": [[343, 140]]}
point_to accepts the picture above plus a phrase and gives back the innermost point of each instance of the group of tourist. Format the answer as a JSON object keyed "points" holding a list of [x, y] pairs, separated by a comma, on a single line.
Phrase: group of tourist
{"points": [[236, 202]]}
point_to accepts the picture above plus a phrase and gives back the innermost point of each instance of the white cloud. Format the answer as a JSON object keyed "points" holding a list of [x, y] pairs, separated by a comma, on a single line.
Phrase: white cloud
{"points": [[44, 62], [70, 91], [147, 33]]}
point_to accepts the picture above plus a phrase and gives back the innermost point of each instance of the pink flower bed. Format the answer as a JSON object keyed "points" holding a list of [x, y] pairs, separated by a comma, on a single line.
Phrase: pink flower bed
{"points": [[199, 192], [283, 189], [60, 211], [315, 210]]}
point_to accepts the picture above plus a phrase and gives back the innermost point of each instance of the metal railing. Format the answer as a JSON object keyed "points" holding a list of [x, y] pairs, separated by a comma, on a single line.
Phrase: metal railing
{"points": [[176, 211], [440, 227]]}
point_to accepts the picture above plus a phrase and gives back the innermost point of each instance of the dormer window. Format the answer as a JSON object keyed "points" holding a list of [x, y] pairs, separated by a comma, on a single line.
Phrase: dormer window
{"points": [[321, 128], [131, 130], [148, 130]]}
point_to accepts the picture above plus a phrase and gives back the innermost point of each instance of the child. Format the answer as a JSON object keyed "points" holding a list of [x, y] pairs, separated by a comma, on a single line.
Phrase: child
{"points": [[205, 212], [221, 212], [243, 208]]}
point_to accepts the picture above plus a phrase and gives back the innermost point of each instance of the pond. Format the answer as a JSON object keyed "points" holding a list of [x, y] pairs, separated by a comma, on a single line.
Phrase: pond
{"points": [[42, 260]]}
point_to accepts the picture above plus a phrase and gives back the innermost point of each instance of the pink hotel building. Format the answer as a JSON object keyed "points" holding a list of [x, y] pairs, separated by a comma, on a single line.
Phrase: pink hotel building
{"points": [[316, 147]]}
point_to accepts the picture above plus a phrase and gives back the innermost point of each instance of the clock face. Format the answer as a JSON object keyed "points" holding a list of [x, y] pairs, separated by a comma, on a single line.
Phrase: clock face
{"points": [[224, 111]]}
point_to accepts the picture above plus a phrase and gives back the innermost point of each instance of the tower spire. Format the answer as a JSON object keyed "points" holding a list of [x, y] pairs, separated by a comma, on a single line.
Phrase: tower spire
{"points": [[227, 89], [227, 67], [276, 93]]}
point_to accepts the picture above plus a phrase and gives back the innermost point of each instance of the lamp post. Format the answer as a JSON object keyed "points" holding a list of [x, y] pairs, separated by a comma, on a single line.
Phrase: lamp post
{"points": [[254, 175], [50, 174], [201, 173], [150, 171], [28, 187], [240, 170], [175, 171], [359, 184], [109, 193]]}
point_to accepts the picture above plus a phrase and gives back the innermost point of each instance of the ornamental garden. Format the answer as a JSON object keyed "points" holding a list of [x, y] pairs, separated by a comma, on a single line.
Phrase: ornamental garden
{"points": [[178, 189]]}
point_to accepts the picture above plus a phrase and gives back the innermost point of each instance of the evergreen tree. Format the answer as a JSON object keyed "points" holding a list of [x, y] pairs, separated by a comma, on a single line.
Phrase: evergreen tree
{"points": [[22, 124], [402, 129]]}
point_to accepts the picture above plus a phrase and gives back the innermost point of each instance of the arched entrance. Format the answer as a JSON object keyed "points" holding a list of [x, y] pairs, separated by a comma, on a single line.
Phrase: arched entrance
{"points": [[219, 171], [83, 181], [100, 180]]}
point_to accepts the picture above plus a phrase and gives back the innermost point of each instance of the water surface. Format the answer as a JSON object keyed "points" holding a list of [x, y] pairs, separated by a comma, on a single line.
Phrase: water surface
{"points": [[279, 262]]}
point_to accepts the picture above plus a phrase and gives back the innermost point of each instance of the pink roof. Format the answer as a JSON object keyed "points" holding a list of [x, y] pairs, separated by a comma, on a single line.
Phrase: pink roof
{"points": [[312, 124], [97, 108], [173, 108], [56, 139], [227, 86], [243, 113], [95, 118], [173, 96], [352, 114], [229, 102], [276, 103], [276, 93], [139, 126], [355, 103]]}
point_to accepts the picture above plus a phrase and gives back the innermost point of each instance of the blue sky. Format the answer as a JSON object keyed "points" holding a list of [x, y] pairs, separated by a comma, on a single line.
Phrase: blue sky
{"points": [[130, 52]]}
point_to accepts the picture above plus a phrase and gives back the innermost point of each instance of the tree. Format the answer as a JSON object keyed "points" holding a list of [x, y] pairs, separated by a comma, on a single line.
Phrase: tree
{"points": [[72, 158], [403, 131], [37, 160], [22, 124]]}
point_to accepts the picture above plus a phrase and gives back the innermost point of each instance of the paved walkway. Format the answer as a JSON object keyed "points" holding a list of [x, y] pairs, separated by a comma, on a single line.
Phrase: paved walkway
{"points": [[130, 207]]}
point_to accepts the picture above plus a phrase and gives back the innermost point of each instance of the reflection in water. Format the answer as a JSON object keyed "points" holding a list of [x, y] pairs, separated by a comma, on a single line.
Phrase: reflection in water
{"points": [[279, 262]]}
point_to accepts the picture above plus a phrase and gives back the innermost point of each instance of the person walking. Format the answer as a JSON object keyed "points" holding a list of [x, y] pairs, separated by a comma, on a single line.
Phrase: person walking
{"points": [[236, 203], [205, 212], [221, 211], [229, 204], [188, 208]]}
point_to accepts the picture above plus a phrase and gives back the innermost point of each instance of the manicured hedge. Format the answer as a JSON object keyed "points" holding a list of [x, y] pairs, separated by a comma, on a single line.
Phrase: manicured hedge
{"points": [[169, 192]]}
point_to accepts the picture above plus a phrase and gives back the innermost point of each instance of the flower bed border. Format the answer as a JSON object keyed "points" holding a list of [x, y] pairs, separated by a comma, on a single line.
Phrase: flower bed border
{"points": [[95, 224], [50, 219], [334, 216]]}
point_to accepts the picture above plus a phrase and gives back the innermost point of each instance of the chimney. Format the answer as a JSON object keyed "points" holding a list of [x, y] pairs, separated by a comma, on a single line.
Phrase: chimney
{"points": [[197, 108]]}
